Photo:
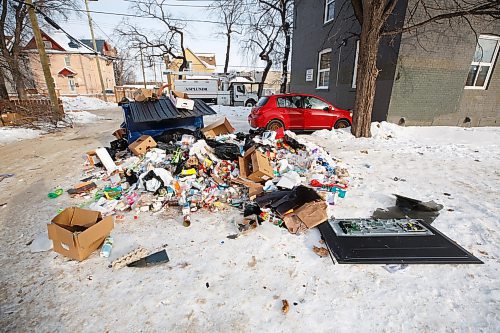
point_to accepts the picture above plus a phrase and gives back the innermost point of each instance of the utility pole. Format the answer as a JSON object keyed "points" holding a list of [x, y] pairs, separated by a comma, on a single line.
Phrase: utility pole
{"points": [[96, 53], [49, 80], [154, 70], [142, 65]]}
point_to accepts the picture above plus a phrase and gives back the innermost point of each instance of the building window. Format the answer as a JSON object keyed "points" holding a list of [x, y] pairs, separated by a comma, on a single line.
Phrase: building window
{"points": [[71, 83], [47, 44], [324, 68], [329, 10], [482, 62], [355, 71], [189, 66], [67, 60]]}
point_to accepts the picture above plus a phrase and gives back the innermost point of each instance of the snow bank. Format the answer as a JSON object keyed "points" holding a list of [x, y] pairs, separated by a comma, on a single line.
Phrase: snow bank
{"points": [[80, 103], [83, 117], [10, 134]]}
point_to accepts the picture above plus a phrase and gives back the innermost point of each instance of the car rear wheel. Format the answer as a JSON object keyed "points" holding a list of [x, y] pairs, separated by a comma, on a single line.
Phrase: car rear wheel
{"points": [[342, 123], [274, 125]]}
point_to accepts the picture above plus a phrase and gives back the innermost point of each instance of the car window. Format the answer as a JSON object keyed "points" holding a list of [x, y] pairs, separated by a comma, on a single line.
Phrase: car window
{"points": [[291, 102], [314, 103], [240, 89], [262, 101]]}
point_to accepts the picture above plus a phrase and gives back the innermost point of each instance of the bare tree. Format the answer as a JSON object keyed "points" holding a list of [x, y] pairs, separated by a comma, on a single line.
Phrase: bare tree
{"points": [[123, 67], [373, 15], [231, 13], [167, 43], [262, 36], [284, 11], [14, 31]]}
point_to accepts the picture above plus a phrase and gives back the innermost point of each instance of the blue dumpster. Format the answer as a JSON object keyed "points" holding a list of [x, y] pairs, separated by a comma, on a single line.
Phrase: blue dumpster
{"points": [[155, 117]]}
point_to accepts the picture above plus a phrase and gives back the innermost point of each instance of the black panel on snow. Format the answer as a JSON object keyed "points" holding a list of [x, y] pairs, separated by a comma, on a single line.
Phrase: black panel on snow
{"points": [[420, 249]]}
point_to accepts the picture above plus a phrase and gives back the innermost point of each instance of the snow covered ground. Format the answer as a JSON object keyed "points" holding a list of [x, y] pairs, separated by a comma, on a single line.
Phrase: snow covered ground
{"points": [[237, 115], [214, 284], [84, 103], [82, 117], [10, 134]]}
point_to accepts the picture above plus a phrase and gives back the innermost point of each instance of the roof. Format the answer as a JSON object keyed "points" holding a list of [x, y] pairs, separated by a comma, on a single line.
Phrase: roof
{"points": [[66, 71], [99, 43], [163, 109], [68, 44], [208, 58]]}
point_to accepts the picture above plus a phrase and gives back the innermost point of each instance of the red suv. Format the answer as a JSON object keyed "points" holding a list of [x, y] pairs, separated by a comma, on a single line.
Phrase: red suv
{"points": [[297, 112]]}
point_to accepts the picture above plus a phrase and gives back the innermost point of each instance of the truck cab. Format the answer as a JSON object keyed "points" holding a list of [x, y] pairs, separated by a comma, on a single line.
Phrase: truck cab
{"points": [[241, 95]]}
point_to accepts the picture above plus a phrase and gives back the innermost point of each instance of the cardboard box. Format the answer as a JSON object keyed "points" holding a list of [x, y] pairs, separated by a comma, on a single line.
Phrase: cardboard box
{"points": [[142, 94], [255, 166], [221, 126], [140, 146], [120, 133], [76, 232], [181, 100]]}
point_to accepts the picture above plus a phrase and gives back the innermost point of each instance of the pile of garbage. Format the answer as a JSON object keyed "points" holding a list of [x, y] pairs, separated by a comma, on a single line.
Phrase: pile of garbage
{"points": [[271, 176]]}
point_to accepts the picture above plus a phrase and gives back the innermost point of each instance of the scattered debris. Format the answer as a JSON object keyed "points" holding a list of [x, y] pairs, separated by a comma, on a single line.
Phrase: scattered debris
{"points": [[6, 175], [130, 257], [393, 268], [320, 251], [156, 258], [285, 306]]}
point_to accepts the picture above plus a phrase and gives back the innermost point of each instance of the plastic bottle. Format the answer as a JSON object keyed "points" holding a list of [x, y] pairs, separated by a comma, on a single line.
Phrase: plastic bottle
{"points": [[106, 247]]}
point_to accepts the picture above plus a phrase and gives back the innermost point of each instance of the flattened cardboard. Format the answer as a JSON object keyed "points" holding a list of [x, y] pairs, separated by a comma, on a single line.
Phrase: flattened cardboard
{"points": [[140, 146], [221, 126], [106, 160], [255, 166], [76, 232], [92, 158], [254, 188], [312, 213]]}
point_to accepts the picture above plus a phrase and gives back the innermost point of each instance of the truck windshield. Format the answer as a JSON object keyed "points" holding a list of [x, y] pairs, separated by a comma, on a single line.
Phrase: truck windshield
{"points": [[262, 101]]}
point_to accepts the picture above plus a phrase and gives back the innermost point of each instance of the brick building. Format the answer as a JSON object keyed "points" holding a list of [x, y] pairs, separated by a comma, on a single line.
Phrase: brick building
{"points": [[442, 76]]}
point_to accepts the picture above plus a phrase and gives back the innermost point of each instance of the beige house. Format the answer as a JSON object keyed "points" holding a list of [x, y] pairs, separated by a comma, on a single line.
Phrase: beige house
{"points": [[197, 63], [72, 65]]}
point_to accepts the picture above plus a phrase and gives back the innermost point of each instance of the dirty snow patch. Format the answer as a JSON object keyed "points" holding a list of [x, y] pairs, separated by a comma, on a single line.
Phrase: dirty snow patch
{"points": [[83, 117], [81, 103], [11, 134]]}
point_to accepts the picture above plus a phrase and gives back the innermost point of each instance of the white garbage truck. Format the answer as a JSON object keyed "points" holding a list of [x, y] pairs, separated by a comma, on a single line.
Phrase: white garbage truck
{"points": [[217, 89]]}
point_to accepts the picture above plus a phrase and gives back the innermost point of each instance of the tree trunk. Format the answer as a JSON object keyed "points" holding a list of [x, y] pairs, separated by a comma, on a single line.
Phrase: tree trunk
{"points": [[367, 72], [228, 48], [264, 77], [4, 94], [286, 55], [18, 78]]}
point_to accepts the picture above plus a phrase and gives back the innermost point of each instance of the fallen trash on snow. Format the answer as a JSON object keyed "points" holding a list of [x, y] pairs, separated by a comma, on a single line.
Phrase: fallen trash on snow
{"points": [[270, 177], [156, 258], [76, 232]]}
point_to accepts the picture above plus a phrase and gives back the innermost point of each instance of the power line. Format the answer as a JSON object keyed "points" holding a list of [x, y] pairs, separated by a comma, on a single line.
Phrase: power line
{"points": [[152, 17], [170, 5]]}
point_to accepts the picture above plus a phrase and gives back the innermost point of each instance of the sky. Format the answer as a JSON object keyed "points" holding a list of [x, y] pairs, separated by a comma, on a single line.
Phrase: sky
{"points": [[200, 37]]}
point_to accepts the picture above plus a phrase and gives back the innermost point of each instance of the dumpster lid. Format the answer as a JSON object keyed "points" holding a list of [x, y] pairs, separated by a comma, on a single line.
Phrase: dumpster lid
{"points": [[164, 109]]}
